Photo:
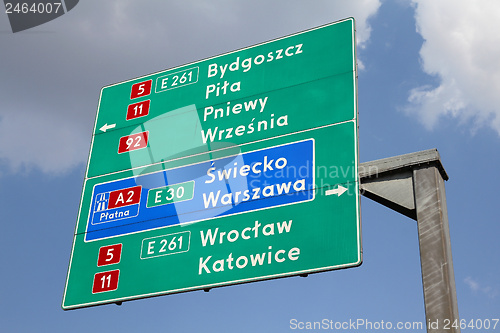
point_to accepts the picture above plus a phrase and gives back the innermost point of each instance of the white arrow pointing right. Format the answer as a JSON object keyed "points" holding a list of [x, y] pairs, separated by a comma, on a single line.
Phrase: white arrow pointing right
{"points": [[338, 191]]}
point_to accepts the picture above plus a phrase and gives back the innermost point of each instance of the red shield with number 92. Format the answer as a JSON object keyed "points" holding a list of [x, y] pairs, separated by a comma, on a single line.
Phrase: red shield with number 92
{"points": [[133, 142]]}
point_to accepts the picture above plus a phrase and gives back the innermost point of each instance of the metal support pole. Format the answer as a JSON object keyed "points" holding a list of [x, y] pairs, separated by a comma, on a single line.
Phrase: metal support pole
{"points": [[435, 249], [413, 185]]}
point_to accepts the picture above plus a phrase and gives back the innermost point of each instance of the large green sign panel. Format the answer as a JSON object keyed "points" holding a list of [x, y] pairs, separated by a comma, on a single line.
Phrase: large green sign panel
{"points": [[232, 169]]}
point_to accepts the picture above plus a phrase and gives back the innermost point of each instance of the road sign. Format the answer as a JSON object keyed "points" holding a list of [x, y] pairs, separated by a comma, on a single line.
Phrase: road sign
{"points": [[236, 168]]}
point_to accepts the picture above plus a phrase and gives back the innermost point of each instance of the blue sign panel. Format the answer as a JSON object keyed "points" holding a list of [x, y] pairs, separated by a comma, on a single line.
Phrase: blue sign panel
{"points": [[270, 177]]}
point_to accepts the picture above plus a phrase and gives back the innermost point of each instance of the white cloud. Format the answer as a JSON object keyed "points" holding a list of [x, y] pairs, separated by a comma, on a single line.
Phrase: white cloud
{"points": [[473, 285], [364, 10], [476, 287], [461, 47], [41, 141]]}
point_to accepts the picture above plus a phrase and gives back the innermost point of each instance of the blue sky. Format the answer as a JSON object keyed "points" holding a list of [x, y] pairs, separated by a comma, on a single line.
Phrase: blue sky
{"points": [[428, 78]]}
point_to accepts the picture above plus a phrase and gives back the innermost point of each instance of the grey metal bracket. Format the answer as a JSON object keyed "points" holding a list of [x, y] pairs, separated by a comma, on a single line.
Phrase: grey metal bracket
{"points": [[413, 185]]}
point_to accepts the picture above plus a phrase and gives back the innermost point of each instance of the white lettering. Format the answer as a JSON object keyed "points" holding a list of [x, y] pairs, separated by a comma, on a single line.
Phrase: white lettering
{"points": [[203, 265], [151, 247], [209, 235], [256, 259]]}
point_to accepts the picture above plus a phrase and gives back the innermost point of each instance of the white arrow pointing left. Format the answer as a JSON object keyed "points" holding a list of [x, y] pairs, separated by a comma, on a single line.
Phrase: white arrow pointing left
{"points": [[107, 127], [338, 191]]}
